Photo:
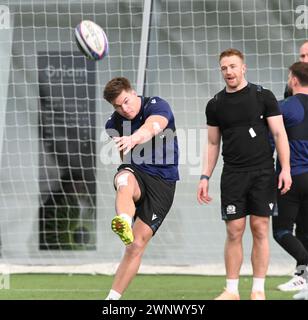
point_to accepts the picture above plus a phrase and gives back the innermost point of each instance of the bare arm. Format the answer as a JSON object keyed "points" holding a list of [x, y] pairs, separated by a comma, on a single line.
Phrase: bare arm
{"points": [[213, 147], [151, 127], [283, 150], [210, 156]]}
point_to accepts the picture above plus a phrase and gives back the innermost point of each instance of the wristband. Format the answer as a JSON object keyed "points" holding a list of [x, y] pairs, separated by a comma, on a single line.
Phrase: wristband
{"points": [[203, 176]]}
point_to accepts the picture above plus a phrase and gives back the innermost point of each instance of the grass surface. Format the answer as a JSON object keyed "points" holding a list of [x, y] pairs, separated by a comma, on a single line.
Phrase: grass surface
{"points": [[143, 287]]}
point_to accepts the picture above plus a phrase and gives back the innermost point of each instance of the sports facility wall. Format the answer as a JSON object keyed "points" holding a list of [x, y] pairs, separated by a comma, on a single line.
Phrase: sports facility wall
{"points": [[57, 165]]}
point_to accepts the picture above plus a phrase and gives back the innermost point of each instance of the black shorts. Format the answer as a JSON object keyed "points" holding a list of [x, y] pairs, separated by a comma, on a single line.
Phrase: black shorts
{"points": [[156, 197], [244, 193]]}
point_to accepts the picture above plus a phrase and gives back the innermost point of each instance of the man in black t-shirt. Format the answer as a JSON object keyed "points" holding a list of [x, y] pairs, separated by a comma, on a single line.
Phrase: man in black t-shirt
{"points": [[240, 116]]}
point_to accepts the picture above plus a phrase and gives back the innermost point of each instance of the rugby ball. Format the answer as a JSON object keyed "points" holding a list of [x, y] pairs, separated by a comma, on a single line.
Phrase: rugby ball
{"points": [[91, 40]]}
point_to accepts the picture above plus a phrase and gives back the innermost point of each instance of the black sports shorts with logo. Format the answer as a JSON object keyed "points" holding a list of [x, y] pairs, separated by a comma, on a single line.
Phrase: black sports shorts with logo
{"points": [[156, 197], [245, 193]]}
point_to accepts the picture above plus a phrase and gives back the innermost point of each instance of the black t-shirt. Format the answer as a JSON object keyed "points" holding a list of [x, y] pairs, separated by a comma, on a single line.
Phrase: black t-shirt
{"points": [[241, 118]]}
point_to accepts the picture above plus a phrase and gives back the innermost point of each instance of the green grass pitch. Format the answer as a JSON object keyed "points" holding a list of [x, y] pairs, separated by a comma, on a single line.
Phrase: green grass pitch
{"points": [[143, 287]]}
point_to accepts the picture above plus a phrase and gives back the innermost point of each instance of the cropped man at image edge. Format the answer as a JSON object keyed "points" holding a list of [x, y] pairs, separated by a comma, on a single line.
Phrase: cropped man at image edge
{"points": [[241, 115], [297, 282], [295, 115], [145, 135]]}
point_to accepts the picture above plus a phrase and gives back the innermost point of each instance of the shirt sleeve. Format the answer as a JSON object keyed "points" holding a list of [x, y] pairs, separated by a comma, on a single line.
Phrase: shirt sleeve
{"points": [[292, 111], [110, 128], [271, 104], [159, 107], [210, 112]]}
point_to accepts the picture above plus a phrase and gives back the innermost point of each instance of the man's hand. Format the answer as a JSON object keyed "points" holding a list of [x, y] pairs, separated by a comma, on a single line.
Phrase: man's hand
{"points": [[202, 193], [125, 143], [284, 181]]}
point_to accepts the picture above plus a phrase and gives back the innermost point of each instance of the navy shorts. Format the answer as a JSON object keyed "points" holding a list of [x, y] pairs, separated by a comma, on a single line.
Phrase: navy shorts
{"points": [[156, 197]]}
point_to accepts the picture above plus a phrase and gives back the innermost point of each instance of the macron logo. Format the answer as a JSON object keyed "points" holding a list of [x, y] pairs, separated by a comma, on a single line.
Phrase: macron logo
{"points": [[271, 205], [153, 101], [154, 216]]}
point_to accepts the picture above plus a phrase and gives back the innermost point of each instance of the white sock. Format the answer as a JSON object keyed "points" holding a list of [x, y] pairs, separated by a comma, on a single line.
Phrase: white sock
{"points": [[232, 285], [127, 218], [113, 295], [258, 284]]}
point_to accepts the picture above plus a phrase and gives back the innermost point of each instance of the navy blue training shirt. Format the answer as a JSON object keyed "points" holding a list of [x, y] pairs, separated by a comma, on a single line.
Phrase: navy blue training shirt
{"points": [[159, 156], [295, 116]]}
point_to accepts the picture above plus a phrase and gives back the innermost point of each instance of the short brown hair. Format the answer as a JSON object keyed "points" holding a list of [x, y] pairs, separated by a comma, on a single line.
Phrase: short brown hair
{"points": [[306, 41], [231, 52], [300, 71], [114, 88]]}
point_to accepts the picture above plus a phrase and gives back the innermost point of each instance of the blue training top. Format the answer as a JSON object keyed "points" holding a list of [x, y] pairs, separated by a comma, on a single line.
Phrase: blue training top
{"points": [[295, 116], [159, 156]]}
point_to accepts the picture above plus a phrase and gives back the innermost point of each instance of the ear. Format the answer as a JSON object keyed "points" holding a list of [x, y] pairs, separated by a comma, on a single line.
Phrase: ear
{"points": [[244, 68], [134, 92], [294, 81]]}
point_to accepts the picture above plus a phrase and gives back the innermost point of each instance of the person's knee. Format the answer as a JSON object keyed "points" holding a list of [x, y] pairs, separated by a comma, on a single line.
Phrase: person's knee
{"points": [[279, 234], [122, 180], [259, 229], [124, 183], [136, 249], [235, 232]]}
